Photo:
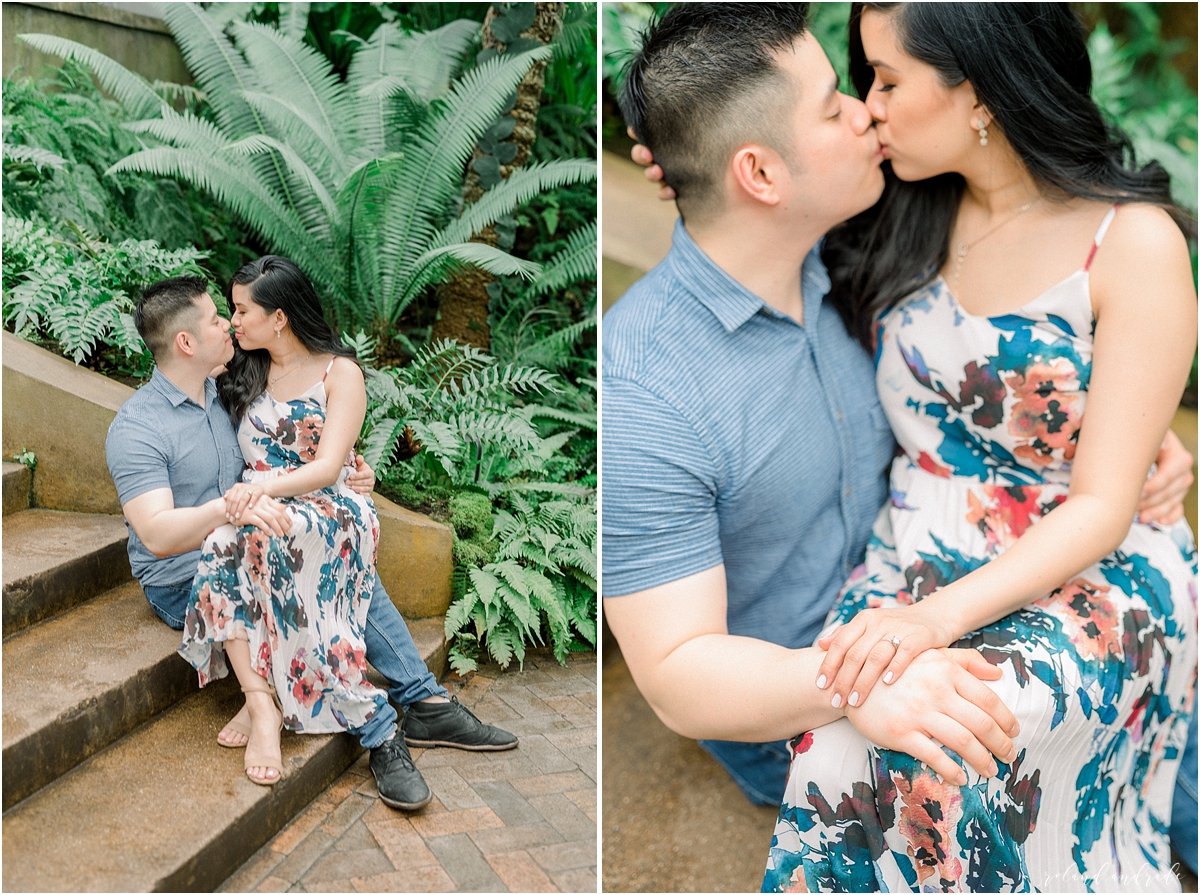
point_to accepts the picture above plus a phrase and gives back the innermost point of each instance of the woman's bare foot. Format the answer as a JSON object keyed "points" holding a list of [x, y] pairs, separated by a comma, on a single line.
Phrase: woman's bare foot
{"points": [[264, 761], [236, 733]]}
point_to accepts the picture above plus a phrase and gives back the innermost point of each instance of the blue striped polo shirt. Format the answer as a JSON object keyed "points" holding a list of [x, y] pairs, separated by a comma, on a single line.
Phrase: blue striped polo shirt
{"points": [[161, 438], [732, 434]]}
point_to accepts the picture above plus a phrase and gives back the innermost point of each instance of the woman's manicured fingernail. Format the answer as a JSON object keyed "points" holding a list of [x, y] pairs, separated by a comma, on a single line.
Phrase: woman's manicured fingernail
{"points": [[887, 678], [992, 769], [854, 698], [1014, 730], [836, 702], [821, 682], [961, 778]]}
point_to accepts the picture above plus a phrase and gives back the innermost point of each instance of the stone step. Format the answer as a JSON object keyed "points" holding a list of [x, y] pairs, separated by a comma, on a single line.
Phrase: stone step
{"points": [[77, 682], [54, 560], [17, 482], [164, 808]]}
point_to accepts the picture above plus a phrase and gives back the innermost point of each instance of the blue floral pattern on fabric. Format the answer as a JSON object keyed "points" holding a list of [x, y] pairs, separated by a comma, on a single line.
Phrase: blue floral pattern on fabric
{"points": [[300, 600], [1100, 672]]}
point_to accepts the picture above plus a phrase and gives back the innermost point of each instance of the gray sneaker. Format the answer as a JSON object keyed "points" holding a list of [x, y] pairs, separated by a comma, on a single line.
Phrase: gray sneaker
{"points": [[452, 724]]}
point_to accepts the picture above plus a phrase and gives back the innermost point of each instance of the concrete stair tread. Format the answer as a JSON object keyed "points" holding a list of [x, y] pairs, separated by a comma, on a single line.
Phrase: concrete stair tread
{"points": [[17, 479], [77, 682], [165, 808], [54, 560], [39, 540]]}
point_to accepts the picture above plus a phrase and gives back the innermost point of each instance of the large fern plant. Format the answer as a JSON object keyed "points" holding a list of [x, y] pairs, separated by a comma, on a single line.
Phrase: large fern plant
{"points": [[357, 181]]}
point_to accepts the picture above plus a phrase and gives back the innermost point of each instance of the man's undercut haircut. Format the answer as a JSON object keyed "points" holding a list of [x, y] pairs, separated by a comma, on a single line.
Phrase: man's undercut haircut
{"points": [[705, 83], [167, 307]]}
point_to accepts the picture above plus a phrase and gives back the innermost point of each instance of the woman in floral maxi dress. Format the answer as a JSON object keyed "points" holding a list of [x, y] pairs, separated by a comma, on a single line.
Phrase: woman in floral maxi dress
{"points": [[986, 385], [299, 603]]}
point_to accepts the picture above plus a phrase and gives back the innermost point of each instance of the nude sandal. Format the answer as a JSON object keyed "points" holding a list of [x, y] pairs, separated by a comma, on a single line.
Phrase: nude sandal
{"points": [[237, 727], [255, 757]]}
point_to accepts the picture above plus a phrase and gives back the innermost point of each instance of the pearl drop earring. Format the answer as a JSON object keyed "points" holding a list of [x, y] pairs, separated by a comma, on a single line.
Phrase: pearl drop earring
{"points": [[982, 134]]}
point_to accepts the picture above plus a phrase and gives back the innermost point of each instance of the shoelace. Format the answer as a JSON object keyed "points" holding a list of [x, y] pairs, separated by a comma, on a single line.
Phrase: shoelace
{"points": [[454, 699], [395, 748]]}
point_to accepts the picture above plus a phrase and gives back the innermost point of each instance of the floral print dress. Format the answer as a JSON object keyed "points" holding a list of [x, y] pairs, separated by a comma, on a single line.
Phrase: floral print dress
{"points": [[1100, 672], [302, 599]]}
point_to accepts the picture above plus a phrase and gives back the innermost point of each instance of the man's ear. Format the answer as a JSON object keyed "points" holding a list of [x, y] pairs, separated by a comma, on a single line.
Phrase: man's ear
{"points": [[185, 343], [758, 171]]}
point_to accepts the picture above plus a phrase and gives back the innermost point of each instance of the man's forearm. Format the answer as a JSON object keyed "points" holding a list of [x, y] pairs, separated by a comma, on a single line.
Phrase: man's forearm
{"points": [[178, 530], [725, 687]]}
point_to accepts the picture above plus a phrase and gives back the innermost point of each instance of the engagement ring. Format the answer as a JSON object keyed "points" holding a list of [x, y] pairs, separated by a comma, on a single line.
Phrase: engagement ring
{"points": [[894, 640]]}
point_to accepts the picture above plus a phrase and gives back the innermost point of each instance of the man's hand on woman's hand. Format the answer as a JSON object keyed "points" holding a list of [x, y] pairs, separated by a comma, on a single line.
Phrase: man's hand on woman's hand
{"points": [[943, 700], [362, 480], [642, 156], [876, 643], [1163, 493]]}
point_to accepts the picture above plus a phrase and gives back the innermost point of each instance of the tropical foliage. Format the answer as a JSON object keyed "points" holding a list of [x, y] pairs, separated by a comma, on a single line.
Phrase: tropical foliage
{"points": [[60, 137], [81, 293], [453, 421], [355, 180], [340, 134]]}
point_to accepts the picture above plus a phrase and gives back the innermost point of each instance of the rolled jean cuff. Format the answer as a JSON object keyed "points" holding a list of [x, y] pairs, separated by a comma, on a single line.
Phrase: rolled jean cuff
{"points": [[377, 731]]}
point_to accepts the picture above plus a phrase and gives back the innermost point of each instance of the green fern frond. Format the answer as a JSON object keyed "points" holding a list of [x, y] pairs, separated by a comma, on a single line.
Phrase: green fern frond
{"points": [[220, 69], [521, 186], [33, 155], [131, 90], [430, 179], [299, 76], [576, 261], [241, 192]]}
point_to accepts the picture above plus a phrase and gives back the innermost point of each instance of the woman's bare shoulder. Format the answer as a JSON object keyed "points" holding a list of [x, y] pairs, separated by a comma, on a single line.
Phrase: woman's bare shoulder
{"points": [[344, 373], [1143, 251]]}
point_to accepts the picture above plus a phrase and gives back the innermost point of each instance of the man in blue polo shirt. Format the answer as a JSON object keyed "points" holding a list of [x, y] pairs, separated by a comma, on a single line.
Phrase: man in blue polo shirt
{"points": [[744, 451], [172, 452]]}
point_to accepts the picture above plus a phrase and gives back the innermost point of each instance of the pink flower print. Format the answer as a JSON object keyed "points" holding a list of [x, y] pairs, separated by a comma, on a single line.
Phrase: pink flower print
{"points": [[304, 688], [929, 816], [1088, 617], [1003, 513], [211, 610], [262, 664], [345, 662], [308, 437], [1047, 414], [255, 544]]}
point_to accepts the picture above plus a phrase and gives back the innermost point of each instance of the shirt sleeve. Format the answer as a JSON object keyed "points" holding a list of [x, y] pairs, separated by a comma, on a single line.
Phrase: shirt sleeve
{"points": [[659, 493], [137, 459]]}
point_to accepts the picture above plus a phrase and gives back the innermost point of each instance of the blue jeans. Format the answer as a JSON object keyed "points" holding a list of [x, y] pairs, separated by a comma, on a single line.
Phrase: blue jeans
{"points": [[390, 649], [1183, 811], [759, 769]]}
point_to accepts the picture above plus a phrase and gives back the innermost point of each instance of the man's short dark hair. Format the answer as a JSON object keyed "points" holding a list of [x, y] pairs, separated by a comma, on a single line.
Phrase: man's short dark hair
{"points": [[165, 308], [706, 82]]}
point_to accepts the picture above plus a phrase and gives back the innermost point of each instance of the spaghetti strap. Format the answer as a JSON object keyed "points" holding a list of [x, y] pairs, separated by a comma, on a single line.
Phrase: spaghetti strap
{"points": [[1099, 237], [327, 369]]}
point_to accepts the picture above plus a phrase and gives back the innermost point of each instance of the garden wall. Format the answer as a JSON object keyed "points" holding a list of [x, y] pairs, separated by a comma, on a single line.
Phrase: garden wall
{"points": [[140, 43]]}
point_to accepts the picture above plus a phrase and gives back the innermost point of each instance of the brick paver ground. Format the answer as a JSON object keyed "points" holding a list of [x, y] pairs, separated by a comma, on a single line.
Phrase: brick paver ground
{"points": [[517, 821]]}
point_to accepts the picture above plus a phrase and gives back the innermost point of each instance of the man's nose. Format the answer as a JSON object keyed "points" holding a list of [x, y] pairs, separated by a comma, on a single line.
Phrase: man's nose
{"points": [[859, 116]]}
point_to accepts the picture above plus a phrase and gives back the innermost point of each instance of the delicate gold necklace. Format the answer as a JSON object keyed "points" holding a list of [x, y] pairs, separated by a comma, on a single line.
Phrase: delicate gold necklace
{"points": [[964, 247], [289, 372]]}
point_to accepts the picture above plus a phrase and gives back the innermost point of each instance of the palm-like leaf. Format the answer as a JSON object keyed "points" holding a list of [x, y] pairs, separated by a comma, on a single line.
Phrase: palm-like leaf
{"points": [[129, 89], [303, 159]]}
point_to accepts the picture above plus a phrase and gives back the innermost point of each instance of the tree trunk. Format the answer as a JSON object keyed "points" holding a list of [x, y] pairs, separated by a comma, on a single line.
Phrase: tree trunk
{"points": [[463, 300]]}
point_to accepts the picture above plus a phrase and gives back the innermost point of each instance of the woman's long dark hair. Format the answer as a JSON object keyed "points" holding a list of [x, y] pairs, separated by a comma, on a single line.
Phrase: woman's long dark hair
{"points": [[275, 283], [1029, 66]]}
